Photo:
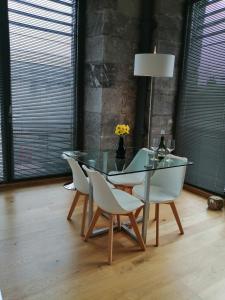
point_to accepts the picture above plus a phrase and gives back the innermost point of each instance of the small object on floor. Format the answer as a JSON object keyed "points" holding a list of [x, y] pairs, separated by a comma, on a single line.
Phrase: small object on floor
{"points": [[215, 202]]}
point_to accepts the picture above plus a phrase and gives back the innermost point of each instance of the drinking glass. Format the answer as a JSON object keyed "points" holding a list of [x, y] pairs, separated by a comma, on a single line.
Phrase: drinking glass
{"points": [[154, 146], [170, 146]]}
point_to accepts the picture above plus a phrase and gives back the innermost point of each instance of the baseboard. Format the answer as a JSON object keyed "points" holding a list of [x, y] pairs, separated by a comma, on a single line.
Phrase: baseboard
{"points": [[34, 182], [197, 191]]}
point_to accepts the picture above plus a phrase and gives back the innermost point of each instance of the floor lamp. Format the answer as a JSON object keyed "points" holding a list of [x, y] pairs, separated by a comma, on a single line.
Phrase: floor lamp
{"points": [[153, 65]]}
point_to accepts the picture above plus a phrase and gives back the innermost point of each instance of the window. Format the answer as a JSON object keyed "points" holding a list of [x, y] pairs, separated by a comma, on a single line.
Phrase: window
{"points": [[42, 38], [1, 157], [201, 113]]}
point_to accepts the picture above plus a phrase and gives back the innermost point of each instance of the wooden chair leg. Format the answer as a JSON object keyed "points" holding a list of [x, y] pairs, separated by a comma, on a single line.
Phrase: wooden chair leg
{"points": [[76, 198], [84, 215], [157, 223], [124, 188], [174, 209], [93, 222], [128, 189], [137, 213], [119, 187], [110, 241], [136, 230]]}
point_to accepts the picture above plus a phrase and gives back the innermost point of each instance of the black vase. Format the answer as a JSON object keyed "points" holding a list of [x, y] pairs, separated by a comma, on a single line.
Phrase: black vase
{"points": [[119, 164], [120, 152]]}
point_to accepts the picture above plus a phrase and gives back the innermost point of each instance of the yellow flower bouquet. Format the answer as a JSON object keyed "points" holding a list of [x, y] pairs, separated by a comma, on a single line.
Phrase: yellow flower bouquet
{"points": [[122, 129]]}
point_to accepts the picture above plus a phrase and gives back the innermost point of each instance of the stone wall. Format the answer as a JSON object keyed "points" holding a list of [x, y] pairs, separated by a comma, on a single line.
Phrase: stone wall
{"points": [[168, 37], [112, 38]]}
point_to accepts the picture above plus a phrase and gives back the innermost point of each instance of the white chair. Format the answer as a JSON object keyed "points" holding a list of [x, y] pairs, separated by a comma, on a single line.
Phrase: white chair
{"points": [[166, 186], [82, 186], [127, 181], [114, 202]]}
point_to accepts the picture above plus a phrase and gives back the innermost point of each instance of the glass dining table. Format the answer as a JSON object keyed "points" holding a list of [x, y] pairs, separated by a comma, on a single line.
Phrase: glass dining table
{"points": [[105, 162]]}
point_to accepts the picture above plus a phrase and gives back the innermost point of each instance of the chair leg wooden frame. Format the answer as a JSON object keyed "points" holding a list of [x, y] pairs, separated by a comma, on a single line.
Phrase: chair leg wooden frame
{"points": [[175, 213], [74, 204], [110, 235], [124, 188], [138, 211], [174, 210]]}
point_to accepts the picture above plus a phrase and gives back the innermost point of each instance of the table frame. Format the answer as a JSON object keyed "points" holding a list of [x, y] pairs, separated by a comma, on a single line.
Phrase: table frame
{"points": [[146, 209]]}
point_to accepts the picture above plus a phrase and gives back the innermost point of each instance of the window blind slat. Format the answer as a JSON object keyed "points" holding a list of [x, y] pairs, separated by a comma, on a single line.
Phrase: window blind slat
{"points": [[25, 5], [200, 125], [42, 84], [1, 99]]}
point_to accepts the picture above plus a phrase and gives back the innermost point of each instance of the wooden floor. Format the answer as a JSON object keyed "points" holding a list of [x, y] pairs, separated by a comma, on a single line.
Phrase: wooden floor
{"points": [[42, 255]]}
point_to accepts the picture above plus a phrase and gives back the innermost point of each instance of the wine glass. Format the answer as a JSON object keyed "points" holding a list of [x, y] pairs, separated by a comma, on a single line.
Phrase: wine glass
{"points": [[170, 146], [154, 146]]}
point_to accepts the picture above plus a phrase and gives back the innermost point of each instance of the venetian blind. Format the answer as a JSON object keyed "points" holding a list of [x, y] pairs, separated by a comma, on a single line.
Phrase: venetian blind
{"points": [[1, 99], [200, 126], [43, 51], [1, 111], [4, 92]]}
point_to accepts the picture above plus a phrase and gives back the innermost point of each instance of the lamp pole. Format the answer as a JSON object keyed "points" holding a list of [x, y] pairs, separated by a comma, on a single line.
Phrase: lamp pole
{"points": [[153, 65], [150, 108]]}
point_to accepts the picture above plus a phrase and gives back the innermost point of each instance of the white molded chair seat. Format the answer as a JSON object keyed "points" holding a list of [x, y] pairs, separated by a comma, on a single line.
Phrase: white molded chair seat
{"points": [[115, 203], [128, 203], [126, 179], [111, 186], [131, 179], [166, 186], [81, 183], [82, 189], [157, 194]]}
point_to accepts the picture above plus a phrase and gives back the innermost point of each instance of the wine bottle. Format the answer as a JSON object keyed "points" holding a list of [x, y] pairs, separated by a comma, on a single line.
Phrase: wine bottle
{"points": [[161, 151]]}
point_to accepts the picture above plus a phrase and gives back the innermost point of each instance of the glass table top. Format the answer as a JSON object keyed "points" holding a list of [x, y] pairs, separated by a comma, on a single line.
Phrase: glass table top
{"points": [[105, 161]]}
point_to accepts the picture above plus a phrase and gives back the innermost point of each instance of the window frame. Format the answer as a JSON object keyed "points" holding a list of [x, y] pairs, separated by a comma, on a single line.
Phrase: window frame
{"points": [[182, 76], [5, 102]]}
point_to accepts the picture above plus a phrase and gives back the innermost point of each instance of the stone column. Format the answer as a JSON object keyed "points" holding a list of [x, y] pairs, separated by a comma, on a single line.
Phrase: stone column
{"points": [[167, 36], [112, 39]]}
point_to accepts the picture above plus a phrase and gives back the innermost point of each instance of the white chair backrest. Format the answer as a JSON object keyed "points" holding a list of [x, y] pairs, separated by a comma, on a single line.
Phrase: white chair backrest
{"points": [[140, 160], [79, 179], [102, 193], [172, 179]]}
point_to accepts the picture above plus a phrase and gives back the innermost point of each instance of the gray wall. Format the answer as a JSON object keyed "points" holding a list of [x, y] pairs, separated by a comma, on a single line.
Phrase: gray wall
{"points": [[168, 37], [112, 38]]}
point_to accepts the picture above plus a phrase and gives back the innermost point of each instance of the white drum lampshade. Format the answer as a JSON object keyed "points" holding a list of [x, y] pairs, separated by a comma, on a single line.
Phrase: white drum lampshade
{"points": [[154, 64]]}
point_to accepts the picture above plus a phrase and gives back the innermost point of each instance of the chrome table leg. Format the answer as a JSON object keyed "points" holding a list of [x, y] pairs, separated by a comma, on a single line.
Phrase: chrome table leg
{"points": [[146, 210], [91, 203]]}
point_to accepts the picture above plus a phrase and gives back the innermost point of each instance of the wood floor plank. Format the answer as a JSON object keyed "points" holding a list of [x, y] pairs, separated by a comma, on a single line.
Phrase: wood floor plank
{"points": [[42, 255]]}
